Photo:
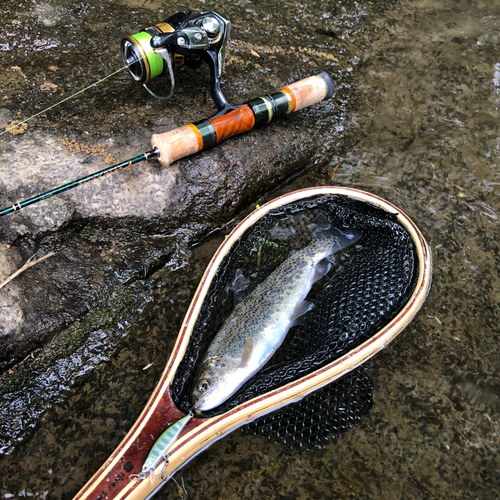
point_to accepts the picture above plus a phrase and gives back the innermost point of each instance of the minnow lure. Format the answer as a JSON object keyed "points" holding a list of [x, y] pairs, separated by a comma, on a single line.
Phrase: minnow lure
{"points": [[160, 448]]}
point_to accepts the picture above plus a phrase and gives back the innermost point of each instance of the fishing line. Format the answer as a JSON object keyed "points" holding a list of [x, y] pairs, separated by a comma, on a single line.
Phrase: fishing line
{"points": [[66, 99]]}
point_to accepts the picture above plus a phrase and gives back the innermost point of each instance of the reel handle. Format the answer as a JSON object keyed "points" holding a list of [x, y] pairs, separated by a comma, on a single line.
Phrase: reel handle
{"points": [[190, 139]]}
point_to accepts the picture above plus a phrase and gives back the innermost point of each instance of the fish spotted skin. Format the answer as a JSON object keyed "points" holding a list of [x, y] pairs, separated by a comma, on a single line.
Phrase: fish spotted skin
{"points": [[258, 325]]}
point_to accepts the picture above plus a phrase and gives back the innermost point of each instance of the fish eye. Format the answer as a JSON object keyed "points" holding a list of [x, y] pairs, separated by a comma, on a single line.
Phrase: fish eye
{"points": [[203, 385]]}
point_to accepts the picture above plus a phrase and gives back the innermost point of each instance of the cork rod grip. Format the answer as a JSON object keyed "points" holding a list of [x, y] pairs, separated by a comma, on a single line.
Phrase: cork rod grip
{"points": [[310, 91], [194, 137]]}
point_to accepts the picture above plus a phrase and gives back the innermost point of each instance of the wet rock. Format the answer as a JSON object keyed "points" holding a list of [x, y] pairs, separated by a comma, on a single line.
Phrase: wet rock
{"points": [[5, 117], [110, 234], [11, 314], [50, 15]]}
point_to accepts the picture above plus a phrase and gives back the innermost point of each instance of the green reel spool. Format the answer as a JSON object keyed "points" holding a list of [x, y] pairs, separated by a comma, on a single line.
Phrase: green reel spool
{"points": [[138, 55]]}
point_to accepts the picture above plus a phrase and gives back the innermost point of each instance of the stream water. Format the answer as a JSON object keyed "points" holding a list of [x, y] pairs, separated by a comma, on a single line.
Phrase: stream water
{"points": [[423, 131]]}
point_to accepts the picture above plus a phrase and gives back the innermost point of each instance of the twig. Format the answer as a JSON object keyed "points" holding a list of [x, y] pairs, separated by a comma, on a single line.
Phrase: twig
{"points": [[28, 264], [335, 170]]}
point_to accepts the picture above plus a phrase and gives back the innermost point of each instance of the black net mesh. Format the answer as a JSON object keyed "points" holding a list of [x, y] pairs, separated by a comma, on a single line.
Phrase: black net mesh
{"points": [[321, 416], [368, 286]]}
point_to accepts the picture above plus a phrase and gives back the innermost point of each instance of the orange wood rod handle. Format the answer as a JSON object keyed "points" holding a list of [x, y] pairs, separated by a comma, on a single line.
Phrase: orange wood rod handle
{"points": [[189, 139]]}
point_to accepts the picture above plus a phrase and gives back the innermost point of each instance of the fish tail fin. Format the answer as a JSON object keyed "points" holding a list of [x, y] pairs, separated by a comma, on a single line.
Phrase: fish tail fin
{"points": [[338, 239]]}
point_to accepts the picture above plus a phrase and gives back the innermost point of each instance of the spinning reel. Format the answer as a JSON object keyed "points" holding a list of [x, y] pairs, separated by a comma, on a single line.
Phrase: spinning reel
{"points": [[180, 40]]}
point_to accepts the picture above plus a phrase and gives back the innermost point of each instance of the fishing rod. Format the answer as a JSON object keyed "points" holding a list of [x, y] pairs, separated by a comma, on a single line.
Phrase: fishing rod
{"points": [[183, 39]]}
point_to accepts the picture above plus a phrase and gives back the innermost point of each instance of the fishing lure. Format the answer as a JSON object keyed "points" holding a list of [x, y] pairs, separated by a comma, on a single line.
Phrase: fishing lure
{"points": [[159, 451]]}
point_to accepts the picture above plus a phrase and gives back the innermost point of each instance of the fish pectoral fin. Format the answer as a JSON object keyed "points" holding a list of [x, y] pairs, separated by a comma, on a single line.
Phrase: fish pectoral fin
{"points": [[300, 309], [322, 223], [322, 268], [247, 353]]}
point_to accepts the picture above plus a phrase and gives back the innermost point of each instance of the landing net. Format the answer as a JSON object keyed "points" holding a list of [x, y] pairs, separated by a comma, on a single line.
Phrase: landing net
{"points": [[368, 285]]}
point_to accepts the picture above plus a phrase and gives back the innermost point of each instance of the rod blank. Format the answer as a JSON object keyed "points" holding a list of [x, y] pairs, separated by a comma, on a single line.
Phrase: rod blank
{"points": [[78, 182]]}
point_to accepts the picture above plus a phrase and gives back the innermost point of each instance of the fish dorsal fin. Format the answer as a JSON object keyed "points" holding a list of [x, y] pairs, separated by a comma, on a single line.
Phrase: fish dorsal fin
{"points": [[247, 353], [300, 309], [322, 223], [321, 268]]}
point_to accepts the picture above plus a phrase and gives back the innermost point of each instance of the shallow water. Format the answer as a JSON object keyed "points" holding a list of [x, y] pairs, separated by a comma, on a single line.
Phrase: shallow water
{"points": [[423, 132]]}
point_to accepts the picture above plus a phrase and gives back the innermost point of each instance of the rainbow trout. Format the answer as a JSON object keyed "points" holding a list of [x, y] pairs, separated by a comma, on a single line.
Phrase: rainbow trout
{"points": [[258, 325]]}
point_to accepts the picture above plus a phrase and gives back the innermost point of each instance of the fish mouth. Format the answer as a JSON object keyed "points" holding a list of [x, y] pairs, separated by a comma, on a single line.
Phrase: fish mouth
{"points": [[202, 405], [201, 401], [197, 400], [214, 397]]}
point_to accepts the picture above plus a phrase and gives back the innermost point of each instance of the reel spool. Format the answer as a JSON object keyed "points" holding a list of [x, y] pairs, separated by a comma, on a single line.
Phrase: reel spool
{"points": [[180, 40]]}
